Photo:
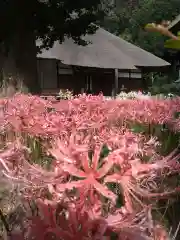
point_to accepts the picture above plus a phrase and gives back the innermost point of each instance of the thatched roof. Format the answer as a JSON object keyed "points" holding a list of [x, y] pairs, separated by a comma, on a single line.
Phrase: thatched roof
{"points": [[104, 51]]}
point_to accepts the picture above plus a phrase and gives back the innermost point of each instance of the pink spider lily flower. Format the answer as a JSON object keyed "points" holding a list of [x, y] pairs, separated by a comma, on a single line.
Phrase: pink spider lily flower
{"points": [[90, 174], [131, 180], [89, 201], [65, 223], [65, 151], [131, 225], [68, 131]]}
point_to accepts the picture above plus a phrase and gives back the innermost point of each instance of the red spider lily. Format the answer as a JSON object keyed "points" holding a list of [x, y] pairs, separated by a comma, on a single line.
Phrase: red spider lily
{"points": [[18, 170], [65, 151], [63, 222], [15, 236], [131, 180], [90, 174], [132, 225], [69, 131], [31, 113], [89, 202]]}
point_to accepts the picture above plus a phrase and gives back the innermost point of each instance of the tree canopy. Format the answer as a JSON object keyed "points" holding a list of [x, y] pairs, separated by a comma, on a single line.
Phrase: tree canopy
{"points": [[50, 20], [128, 19], [130, 16], [25, 21]]}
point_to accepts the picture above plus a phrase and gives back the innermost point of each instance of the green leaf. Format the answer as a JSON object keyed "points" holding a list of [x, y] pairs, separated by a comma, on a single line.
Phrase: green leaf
{"points": [[176, 115], [138, 128], [104, 152]]}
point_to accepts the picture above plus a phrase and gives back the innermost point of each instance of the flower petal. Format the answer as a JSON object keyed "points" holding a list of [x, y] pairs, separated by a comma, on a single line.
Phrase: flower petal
{"points": [[96, 157], [71, 169], [74, 184], [102, 189], [85, 162], [104, 169]]}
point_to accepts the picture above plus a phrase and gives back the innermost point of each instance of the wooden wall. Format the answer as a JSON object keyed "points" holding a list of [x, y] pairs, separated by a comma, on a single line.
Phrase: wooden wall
{"points": [[54, 76]]}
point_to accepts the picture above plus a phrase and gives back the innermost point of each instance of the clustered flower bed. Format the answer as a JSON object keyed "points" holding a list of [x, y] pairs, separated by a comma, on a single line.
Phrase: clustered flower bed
{"points": [[132, 95], [65, 94], [92, 168]]}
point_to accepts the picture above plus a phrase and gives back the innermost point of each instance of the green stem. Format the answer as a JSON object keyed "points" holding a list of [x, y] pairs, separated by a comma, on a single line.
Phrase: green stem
{"points": [[3, 219]]}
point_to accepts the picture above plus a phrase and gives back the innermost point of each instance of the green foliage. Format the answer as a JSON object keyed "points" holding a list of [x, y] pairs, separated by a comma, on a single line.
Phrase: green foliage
{"points": [[104, 152], [164, 85], [138, 128], [129, 20]]}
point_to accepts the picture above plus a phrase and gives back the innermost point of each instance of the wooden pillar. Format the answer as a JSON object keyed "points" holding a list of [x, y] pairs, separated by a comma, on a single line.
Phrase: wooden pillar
{"points": [[144, 82], [57, 74], [116, 78]]}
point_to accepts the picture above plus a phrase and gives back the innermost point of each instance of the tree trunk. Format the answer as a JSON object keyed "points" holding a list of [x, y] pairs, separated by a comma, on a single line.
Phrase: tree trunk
{"points": [[19, 62]]}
